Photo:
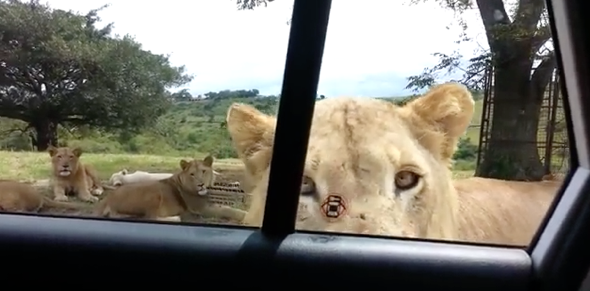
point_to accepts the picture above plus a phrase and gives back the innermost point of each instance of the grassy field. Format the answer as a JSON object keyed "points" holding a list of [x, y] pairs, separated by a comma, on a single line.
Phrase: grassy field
{"points": [[473, 132], [33, 166]]}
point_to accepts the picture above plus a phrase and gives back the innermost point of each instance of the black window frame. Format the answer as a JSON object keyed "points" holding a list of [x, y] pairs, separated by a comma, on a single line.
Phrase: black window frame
{"points": [[276, 255]]}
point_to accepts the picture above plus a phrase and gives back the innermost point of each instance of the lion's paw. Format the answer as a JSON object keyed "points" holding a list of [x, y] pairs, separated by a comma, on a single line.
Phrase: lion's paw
{"points": [[90, 199], [97, 191], [61, 198]]}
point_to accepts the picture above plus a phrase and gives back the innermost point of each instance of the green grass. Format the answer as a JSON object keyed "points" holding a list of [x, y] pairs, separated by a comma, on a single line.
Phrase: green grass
{"points": [[32, 166], [463, 174], [473, 132]]}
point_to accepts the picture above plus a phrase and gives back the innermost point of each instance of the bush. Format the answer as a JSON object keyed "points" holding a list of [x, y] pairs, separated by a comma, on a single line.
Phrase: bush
{"points": [[464, 165], [466, 150], [465, 155], [16, 141]]}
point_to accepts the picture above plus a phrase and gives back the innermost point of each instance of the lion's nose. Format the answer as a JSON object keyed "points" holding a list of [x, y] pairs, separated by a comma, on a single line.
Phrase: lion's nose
{"points": [[65, 166], [201, 185]]}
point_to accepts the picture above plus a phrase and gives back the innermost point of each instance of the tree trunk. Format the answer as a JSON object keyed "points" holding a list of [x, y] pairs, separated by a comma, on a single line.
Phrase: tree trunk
{"points": [[512, 152], [46, 131]]}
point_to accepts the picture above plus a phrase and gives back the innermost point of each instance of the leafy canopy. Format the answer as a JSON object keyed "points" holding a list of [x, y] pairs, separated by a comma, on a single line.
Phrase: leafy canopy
{"points": [[58, 67]]}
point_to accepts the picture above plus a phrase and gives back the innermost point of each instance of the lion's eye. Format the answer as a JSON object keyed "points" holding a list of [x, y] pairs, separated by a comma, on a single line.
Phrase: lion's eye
{"points": [[405, 180], [307, 186], [204, 171], [59, 156], [71, 156], [193, 174]]}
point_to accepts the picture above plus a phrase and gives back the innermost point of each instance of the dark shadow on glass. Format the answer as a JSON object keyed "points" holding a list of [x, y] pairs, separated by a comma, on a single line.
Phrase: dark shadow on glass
{"points": [[560, 255], [300, 84]]}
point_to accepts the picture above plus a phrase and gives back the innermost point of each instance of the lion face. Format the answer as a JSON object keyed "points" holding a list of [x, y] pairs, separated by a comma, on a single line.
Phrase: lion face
{"points": [[64, 160], [197, 175], [384, 168], [117, 178]]}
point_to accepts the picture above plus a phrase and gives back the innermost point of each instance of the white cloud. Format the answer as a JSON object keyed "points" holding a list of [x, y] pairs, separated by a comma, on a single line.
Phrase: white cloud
{"points": [[369, 51]]}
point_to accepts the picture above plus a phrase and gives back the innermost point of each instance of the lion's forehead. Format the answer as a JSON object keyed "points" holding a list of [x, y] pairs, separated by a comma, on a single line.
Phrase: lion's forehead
{"points": [[392, 145], [363, 137], [360, 121], [64, 151], [195, 167]]}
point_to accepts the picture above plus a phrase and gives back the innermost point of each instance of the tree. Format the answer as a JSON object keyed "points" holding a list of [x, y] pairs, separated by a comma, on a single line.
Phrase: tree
{"points": [[58, 68], [182, 95], [251, 4], [229, 94], [522, 68]]}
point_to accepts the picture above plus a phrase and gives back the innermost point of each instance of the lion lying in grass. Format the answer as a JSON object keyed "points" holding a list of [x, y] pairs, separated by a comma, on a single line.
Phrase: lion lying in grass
{"points": [[390, 167], [70, 175], [20, 197], [167, 199], [123, 177]]}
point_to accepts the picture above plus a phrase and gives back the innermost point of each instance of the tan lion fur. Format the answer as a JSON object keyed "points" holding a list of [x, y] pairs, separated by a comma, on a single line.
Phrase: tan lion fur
{"points": [[70, 175], [503, 212], [356, 148], [167, 199], [20, 197]]}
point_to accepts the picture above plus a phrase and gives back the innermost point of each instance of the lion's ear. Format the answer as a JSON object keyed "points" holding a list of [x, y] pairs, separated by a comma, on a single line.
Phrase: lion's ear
{"points": [[51, 150], [208, 161], [124, 172], [446, 111], [77, 152], [252, 134], [184, 164]]}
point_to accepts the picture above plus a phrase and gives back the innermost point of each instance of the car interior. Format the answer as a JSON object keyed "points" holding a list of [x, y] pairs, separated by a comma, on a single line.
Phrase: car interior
{"points": [[100, 251]]}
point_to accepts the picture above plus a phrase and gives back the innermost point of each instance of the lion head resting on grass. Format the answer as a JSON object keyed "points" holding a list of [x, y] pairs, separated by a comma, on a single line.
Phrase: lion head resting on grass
{"points": [[70, 175], [390, 164]]}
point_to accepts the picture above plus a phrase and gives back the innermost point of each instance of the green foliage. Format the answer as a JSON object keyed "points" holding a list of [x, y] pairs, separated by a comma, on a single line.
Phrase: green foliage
{"points": [[466, 155], [466, 150], [519, 37], [403, 100], [187, 128], [60, 69], [251, 4]]}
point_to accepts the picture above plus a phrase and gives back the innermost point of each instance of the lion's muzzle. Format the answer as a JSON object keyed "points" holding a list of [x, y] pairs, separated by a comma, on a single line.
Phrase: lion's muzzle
{"points": [[202, 190], [64, 170]]}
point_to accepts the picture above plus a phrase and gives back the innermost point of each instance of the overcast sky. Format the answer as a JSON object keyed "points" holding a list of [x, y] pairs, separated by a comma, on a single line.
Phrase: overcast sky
{"points": [[370, 49]]}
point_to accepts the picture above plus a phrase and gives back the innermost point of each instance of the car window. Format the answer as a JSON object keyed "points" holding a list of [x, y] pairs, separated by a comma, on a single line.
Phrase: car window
{"points": [[458, 134], [452, 128]]}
